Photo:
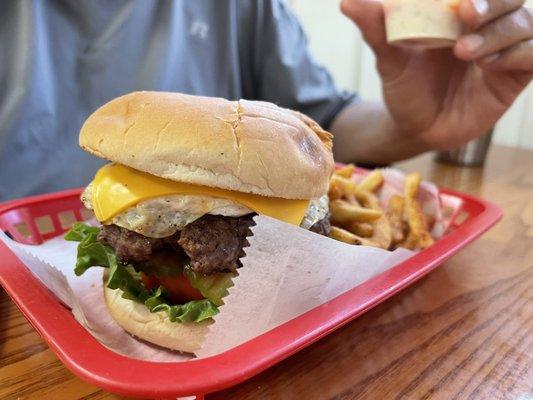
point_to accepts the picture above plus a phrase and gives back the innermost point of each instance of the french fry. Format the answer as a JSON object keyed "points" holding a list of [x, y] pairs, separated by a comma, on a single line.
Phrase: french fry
{"points": [[342, 235], [350, 198], [414, 242], [359, 219], [409, 242], [425, 241], [395, 214], [382, 236], [368, 199], [418, 237], [347, 186], [348, 237], [342, 212], [363, 229], [335, 191], [412, 182], [372, 181], [415, 217], [346, 171]]}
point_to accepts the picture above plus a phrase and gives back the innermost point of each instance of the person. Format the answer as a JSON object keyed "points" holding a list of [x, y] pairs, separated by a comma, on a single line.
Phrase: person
{"points": [[61, 59]]}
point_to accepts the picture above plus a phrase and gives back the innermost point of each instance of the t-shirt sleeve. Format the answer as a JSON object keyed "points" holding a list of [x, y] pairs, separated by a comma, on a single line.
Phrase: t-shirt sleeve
{"points": [[282, 69]]}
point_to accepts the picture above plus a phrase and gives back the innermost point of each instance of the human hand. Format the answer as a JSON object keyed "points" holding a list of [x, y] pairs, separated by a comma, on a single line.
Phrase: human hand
{"points": [[447, 97]]}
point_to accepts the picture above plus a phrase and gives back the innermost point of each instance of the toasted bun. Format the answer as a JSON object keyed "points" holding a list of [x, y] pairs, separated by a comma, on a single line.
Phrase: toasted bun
{"points": [[248, 146], [156, 328]]}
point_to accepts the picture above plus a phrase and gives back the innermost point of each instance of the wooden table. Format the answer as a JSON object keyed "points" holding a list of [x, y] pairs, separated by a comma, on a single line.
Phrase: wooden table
{"points": [[464, 331]]}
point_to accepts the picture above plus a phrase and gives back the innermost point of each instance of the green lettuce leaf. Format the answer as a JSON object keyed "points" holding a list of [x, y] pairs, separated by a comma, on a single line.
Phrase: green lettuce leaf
{"points": [[92, 253], [79, 230], [214, 287], [197, 310]]}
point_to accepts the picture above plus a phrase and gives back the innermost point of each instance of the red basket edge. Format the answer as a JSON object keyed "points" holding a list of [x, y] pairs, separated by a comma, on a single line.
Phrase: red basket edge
{"points": [[234, 363]]}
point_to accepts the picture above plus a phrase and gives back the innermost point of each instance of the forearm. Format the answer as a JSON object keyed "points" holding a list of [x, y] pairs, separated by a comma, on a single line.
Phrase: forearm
{"points": [[364, 132]]}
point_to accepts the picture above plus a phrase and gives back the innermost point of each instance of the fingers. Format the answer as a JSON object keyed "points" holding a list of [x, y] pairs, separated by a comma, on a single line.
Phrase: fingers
{"points": [[497, 36], [518, 57], [476, 13]]}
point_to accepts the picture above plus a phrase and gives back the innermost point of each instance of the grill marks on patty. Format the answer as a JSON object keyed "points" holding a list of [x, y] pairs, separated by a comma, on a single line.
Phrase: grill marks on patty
{"points": [[213, 243]]}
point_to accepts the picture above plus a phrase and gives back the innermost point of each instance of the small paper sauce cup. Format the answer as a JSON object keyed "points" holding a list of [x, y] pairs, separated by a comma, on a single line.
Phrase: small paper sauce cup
{"points": [[427, 24]]}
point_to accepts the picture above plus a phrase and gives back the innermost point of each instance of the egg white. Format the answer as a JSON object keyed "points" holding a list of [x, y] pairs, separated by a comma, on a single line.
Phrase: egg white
{"points": [[163, 216]]}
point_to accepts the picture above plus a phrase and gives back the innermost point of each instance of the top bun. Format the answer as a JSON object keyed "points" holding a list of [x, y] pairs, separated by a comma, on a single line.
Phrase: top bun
{"points": [[247, 146]]}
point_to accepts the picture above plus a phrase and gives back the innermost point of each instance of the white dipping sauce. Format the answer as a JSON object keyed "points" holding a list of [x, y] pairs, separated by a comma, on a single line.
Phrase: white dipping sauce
{"points": [[421, 23]]}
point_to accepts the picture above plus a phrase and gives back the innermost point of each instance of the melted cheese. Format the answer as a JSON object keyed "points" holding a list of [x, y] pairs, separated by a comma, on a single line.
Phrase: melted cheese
{"points": [[116, 188]]}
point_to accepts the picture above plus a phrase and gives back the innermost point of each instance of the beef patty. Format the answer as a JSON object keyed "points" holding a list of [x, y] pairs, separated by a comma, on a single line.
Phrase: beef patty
{"points": [[132, 246], [213, 243]]}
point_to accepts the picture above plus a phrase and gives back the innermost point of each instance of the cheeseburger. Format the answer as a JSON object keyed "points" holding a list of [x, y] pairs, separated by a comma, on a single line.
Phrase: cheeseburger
{"points": [[186, 176]]}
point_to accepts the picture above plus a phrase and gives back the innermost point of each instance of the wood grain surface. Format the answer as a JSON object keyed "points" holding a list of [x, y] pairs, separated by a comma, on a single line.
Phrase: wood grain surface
{"points": [[465, 331]]}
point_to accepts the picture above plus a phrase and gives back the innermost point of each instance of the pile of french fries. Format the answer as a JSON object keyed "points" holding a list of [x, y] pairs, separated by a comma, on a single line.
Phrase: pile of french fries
{"points": [[358, 218]]}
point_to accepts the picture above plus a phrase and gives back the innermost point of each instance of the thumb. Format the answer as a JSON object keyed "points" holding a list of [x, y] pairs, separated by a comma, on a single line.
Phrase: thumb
{"points": [[369, 17]]}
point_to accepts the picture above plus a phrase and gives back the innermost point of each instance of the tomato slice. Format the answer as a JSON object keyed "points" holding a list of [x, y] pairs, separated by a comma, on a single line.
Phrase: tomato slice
{"points": [[179, 289], [150, 281]]}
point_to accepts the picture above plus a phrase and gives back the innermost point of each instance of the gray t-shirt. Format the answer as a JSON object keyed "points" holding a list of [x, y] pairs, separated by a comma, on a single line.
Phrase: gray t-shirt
{"points": [[61, 59]]}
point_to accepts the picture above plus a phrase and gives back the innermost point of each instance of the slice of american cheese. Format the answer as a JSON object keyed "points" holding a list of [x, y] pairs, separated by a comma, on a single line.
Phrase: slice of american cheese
{"points": [[116, 188]]}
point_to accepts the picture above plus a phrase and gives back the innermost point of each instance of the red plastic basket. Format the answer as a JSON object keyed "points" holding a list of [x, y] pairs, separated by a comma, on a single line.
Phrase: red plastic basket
{"points": [[35, 219]]}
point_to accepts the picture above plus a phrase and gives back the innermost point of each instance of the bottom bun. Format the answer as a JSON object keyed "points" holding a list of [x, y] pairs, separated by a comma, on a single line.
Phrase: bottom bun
{"points": [[156, 327]]}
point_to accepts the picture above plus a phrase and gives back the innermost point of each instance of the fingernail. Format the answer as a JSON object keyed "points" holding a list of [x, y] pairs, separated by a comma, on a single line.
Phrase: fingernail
{"points": [[481, 6], [491, 58], [472, 42]]}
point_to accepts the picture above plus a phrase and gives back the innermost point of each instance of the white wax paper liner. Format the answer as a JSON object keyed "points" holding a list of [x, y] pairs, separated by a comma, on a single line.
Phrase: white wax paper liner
{"points": [[286, 272]]}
